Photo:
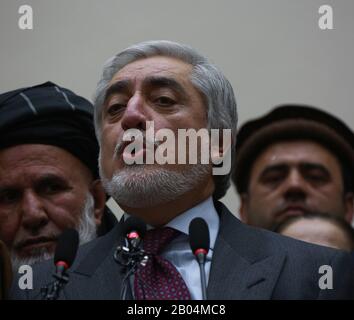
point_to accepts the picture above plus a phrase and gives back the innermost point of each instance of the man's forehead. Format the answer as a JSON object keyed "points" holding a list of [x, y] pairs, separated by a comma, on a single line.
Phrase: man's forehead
{"points": [[152, 66], [294, 154], [29, 161], [34, 152], [296, 151], [32, 178]]}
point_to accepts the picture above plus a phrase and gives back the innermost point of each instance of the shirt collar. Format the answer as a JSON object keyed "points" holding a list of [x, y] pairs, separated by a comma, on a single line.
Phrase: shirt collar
{"points": [[205, 210]]}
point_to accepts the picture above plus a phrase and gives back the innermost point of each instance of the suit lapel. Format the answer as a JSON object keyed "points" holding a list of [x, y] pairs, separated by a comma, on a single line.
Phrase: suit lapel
{"points": [[242, 267], [98, 274]]}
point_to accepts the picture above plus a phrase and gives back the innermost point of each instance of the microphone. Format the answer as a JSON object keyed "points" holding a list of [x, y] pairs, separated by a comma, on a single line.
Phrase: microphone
{"points": [[66, 249], [64, 257], [131, 255], [134, 228], [199, 241]]}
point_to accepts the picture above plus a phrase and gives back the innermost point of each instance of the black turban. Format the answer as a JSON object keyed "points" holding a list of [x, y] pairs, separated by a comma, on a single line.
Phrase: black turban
{"points": [[52, 115]]}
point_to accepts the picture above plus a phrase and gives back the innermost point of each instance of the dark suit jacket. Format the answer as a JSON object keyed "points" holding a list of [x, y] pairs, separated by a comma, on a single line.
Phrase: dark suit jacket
{"points": [[108, 222], [248, 263], [5, 271]]}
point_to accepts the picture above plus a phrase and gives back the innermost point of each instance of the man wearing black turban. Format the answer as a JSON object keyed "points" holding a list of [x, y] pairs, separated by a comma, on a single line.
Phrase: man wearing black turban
{"points": [[48, 171]]}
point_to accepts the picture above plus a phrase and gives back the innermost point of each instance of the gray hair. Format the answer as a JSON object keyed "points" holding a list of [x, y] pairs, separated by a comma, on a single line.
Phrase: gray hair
{"points": [[208, 80]]}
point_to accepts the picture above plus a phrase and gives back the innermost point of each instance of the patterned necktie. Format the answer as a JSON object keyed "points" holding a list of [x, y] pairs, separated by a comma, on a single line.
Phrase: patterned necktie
{"points": [[159, 279]]}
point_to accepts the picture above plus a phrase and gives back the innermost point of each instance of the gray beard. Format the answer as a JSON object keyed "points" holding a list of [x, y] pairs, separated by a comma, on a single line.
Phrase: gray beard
{"points": [[87, 231], [137, 186]]}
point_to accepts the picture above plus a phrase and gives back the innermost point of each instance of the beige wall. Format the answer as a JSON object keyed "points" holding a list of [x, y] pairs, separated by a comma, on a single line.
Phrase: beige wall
{"points": [[271, 50]]}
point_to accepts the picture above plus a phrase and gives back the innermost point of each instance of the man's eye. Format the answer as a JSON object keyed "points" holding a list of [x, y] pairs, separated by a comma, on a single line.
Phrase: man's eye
{"points": [[7, 197], [115, 108], [164, 101], [317, 177], [51, 189], [272, 178]]}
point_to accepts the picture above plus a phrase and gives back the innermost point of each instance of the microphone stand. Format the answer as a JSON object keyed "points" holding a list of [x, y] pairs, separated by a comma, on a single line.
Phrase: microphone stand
{"points": [[201, 257], [52, 291], [130, 257]]}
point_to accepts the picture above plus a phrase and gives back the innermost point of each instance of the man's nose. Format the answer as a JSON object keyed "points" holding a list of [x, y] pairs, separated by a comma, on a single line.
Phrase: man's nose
{"points": [[135, 114], [295, 187], [34, 215]]}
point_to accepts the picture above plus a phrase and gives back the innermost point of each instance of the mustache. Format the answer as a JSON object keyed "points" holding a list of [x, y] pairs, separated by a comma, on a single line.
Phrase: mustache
{"points": [[291, 204], [142, 139], [19, 244]]}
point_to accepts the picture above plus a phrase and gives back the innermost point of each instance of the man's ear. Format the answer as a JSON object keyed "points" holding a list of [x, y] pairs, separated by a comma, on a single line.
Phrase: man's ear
{"points": [[244, 207], [99, 197], [349, 206]]}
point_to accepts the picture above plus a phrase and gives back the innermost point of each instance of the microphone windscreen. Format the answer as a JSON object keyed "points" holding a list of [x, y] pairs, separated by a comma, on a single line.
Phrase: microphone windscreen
{"points": [[199, 235], [67, 246], [134, 224]]}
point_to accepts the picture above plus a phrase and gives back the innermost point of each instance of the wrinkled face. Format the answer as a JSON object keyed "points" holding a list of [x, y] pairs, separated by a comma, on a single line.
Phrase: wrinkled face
{"points": [[292, 178], [42, 192], [318, 231], [155, 89]]}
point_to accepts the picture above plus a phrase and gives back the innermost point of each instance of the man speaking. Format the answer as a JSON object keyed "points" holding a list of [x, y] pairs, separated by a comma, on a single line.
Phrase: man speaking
{"points": [[172, 87]]}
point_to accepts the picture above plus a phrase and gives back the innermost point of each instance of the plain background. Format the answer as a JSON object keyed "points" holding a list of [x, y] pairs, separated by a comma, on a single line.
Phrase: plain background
{"points": [[272, 51]]}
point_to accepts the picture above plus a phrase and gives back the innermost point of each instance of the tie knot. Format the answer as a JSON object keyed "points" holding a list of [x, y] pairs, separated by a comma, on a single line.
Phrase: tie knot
{"points": [[156, 239]]}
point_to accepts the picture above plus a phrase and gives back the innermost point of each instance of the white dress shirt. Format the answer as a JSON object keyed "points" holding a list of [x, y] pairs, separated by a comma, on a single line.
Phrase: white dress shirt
{"points": [[178, 251]]}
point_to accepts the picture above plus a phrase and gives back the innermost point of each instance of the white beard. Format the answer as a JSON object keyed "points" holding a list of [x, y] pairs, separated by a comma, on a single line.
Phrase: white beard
{"points": [[87, 230], [137, 186]]}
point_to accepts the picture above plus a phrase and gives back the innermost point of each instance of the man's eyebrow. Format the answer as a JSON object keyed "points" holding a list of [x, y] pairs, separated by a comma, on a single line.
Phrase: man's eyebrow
{"points": [[302, 165], [49, 177], [46, 178], [52, 180], [164, 82], [7, 188], [117, 87], [153, 81], [314, 166], [274, 167]]}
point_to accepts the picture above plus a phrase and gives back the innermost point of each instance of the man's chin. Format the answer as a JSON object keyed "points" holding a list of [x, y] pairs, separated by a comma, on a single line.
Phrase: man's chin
{"points": [[132, 198], [137, 187], [37, 255], [283, 216], [146, 186]]}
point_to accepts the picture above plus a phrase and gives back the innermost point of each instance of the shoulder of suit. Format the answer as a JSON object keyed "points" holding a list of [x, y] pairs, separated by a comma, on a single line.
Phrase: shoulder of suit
{"points": [[264, 242]]}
